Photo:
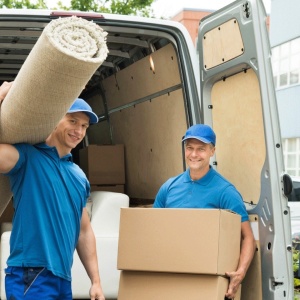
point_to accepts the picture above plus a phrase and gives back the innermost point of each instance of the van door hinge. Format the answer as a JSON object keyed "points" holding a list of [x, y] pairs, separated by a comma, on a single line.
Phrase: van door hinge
{"points": [[246, 11]]}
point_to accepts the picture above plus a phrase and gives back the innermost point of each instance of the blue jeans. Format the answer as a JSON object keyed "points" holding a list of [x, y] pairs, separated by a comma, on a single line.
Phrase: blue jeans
{"points": [[28, 283]]}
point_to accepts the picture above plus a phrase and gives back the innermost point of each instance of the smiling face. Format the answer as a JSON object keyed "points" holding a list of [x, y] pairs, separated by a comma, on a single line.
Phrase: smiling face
{"points": [[197, 157], [69, 132]]}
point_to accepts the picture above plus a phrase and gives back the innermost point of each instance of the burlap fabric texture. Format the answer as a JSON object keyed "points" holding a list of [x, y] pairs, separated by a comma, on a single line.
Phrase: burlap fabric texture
{"points": [[62, 61]]}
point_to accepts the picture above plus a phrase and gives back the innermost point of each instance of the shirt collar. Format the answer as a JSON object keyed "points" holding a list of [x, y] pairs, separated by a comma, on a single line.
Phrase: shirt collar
{"points": [[52, 151], [203, 181]]}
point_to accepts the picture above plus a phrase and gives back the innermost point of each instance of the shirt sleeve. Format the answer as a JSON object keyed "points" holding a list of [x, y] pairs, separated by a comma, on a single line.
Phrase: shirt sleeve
{"points": [[20, 162], [161, 197], [88, 193], [232, 200]]}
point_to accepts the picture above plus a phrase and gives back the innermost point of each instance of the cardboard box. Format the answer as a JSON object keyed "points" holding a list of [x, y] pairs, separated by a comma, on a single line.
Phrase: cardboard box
{"points": [[103, 164], [136, 285], [108, 188], [200, 241]]}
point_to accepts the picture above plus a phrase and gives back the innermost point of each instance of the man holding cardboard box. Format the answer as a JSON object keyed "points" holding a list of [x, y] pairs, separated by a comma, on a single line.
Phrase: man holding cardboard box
{"points": [[50, 217], [200, 186]]}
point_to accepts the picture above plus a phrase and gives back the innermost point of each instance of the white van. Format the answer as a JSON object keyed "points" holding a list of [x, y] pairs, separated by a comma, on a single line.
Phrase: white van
{"points": [[227, 83]]}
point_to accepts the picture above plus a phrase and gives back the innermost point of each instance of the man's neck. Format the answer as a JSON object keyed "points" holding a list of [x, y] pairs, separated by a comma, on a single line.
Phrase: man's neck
{"points": [[198, 174], [62, 151]]}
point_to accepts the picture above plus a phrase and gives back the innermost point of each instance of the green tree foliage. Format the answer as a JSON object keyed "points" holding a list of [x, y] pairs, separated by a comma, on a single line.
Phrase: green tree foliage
{"points": [[131, 7], [39, 4], [296, 257], [123, 7]]}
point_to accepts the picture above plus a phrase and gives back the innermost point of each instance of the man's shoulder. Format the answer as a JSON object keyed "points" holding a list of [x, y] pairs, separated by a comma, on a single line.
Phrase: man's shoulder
{"points": [[78, 170], [177, 179], [225, 186], [218, 176], [24, 147], [220, 179]]}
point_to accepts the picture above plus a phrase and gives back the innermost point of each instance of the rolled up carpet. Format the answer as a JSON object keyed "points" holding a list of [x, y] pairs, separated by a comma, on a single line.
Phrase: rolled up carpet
{"points": [[62, 61]]}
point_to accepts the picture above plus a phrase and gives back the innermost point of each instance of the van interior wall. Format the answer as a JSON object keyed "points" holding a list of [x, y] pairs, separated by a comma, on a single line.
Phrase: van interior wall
{"points": [[238, 122], [147, 114]]}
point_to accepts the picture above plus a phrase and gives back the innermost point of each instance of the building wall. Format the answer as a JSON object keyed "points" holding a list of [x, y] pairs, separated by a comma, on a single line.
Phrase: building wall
{"points": [[190, 18], [283, 28], [288, 101], [285, 24]]}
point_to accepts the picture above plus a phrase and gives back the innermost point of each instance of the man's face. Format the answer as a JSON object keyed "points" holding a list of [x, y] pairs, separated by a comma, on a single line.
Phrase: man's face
{"points": [[198, 154], [71, 129]]}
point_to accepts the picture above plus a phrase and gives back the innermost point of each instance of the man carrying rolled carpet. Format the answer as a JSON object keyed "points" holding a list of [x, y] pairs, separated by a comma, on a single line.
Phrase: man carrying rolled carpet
{"points": [[50, 217]]}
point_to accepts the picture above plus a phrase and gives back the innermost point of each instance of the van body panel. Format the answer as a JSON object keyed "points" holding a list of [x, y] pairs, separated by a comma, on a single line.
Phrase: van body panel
{"points": [[239, 102]]}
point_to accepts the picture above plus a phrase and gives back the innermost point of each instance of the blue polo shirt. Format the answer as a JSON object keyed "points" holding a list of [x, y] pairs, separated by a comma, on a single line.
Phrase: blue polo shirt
{"points": [[49, 194], [211, 191]]}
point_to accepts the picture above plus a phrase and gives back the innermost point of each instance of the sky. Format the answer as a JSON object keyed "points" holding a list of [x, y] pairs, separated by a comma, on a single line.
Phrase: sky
{"points": [[168, 8]]}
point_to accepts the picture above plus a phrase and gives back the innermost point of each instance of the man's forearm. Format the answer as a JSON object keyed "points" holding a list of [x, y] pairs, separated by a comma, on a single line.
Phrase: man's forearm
{"points": [[248, 247], [86, 249]]}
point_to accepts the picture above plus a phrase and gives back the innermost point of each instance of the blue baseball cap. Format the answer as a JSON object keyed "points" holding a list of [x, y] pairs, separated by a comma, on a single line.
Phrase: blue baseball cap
{"points": [[201, 132], [79, 105]]}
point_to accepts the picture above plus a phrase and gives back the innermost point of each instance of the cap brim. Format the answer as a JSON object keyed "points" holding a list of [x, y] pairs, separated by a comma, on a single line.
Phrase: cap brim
{"points": [[93, 117], [197, 138]]}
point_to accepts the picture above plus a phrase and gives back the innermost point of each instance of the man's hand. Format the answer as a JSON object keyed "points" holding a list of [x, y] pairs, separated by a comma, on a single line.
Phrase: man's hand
{"points": [[248, 248], [235, 281], [96, 292], [4, 88]]}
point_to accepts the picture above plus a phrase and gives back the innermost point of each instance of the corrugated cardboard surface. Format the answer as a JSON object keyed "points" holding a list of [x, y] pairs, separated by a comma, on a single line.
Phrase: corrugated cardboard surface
{"points": [[136, 285], [200, 241], [103, 164]]}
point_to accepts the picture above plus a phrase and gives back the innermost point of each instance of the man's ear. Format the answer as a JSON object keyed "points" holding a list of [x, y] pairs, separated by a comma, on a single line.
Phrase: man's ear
{"points": [[213, 149]]}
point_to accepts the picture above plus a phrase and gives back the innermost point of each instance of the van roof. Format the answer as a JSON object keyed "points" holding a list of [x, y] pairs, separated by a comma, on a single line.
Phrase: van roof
{"points": [[129, 38]]}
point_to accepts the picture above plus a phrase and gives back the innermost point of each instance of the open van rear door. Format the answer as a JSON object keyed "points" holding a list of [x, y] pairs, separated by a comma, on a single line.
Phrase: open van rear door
{"points": [[239, 102]]}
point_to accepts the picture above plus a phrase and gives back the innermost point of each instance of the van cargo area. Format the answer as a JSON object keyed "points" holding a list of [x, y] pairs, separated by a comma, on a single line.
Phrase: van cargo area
{"points": [[139, 94]]}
